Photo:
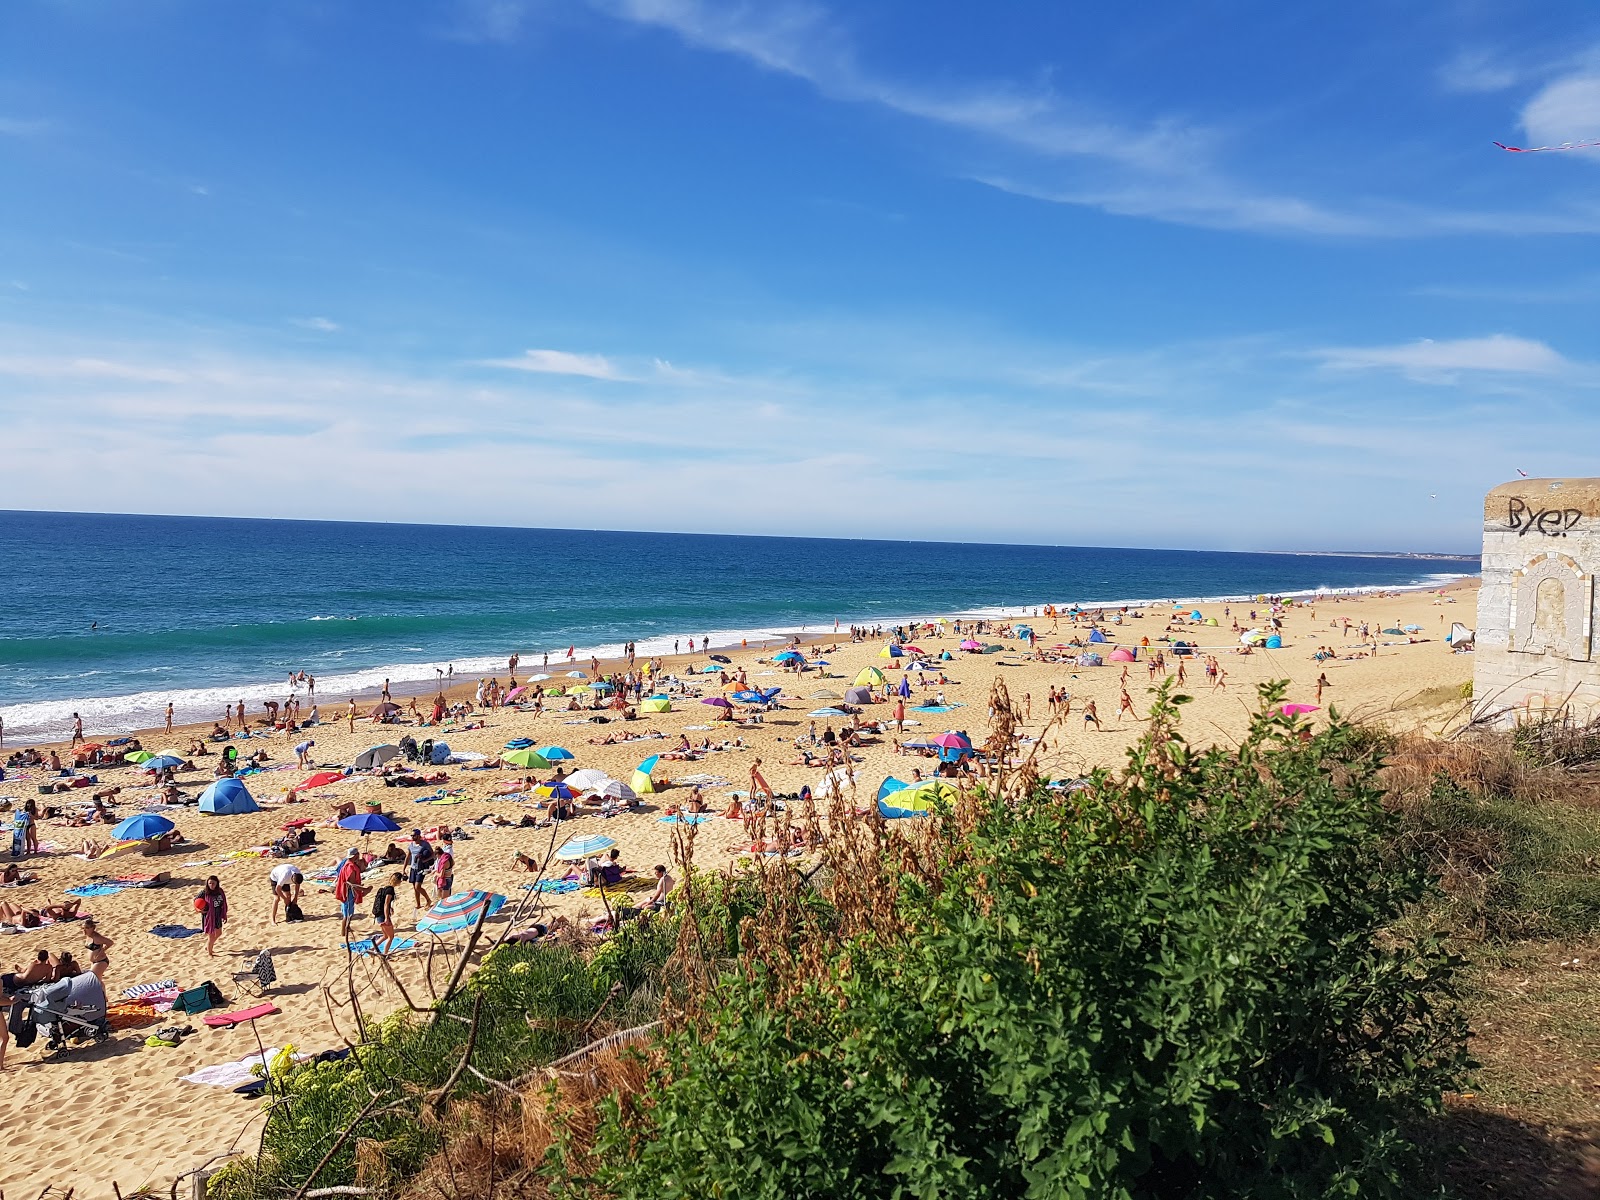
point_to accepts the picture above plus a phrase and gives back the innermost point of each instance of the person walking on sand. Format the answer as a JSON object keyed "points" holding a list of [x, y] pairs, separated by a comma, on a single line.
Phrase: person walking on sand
{"points": [[383, 910], [444, 865], [1322, 682], [347, 890], [1182, 674], [419, 858], [169, 716], [77, 729], [1125, 705], [212, 905]]}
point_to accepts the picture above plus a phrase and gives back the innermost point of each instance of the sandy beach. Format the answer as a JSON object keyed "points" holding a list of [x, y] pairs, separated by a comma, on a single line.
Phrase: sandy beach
{"points": [[120, 1112]]}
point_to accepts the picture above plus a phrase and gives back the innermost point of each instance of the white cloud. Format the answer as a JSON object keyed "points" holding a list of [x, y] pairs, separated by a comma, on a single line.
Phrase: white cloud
{"points": [[320, 324], [1432, 361], [489, 20], [561, 362], [1566, 110], [1475, 71]]}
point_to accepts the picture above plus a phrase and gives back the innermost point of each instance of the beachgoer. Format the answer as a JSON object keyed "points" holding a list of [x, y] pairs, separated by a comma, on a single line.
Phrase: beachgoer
{"points": [[169, 716], [212, 905], [347, 889], [419, 857], [97, 943], [444, 865], [286, 879], [664, 885], [1090, 714], [383, 911]]}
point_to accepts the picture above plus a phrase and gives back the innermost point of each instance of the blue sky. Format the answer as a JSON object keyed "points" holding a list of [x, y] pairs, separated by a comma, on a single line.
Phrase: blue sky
{"points": [[1234, 275]]}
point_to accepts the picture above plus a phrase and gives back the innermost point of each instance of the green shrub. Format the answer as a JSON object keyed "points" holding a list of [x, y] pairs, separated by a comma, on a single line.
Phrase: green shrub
{"points": [[1181, 982]]}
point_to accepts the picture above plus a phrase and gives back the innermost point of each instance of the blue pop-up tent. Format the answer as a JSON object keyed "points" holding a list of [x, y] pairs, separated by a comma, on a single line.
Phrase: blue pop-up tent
{"points": [[1096, 636], [227, 798]]}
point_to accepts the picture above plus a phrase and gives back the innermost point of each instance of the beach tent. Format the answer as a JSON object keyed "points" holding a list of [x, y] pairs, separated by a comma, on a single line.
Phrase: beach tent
{"points": [[1096, 636], [1211, 621], [1122, 654], [1251, 636], [858, 695], [642, 784], [825, 694], [1274, 642], [918, 800], [227, 797], [657, 704], [375, 756], [1024, 631], [827, 712], [1195, 615], [869, 677]]}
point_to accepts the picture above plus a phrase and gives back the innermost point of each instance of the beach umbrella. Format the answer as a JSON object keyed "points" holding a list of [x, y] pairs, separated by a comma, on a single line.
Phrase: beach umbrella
{"points": [[827, 712], [557, 753], [585, 846], [578, 688], [515, 692], [787, 656], [952, 741], [228, 797], [369, 822], [825, 694], [141, 826], [1413, 628], [540, 678], [459, 911], [657, 704], [603, 686], [716, 702], [320, 779], [869, 677], [589, 777], [820, 662], [745, 697], [721, 658], [162, 762], [527, 758], [557, 790], [1295, 710], [387, 708], [1395, 631], [969, 644], [139, 756], [577, 675], [891, 651], [915, 650], [615, 789], [649, 764], [375, 756]]}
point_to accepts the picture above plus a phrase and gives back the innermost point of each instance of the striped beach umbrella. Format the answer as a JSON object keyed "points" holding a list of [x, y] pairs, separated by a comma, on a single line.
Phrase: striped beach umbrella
{"points": [[459, 911], [585, 846], [589, 777], [556, 791]]}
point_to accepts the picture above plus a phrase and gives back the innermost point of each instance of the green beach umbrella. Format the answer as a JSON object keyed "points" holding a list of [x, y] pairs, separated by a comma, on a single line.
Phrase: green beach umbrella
{"points": [[527, 758]]}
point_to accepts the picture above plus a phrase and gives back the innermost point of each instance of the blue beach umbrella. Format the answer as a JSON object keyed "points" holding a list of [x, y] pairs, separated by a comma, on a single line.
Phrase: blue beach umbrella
{"points": [[585, 846], [459, 911], [369, 823], [749, 697], [787, 656], [142, 825], [649, 764], [556, 754], [556, 791], [162, 762], [826, 712]]}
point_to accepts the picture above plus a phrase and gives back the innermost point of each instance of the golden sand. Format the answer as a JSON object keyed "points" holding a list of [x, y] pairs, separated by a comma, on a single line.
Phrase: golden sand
{"points": [[119, 1112]]}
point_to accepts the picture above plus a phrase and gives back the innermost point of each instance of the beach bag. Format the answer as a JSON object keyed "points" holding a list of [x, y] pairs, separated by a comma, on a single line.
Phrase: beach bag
{"points": [[292, 911], [199, 999]]}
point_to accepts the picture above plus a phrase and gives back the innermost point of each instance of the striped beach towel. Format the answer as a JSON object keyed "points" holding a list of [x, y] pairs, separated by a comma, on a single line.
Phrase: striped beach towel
{"points": [[140, 990]]}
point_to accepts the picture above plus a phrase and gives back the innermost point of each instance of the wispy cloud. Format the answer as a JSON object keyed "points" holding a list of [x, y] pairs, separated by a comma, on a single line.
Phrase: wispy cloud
{"points": [[488, 20], [1069, 151], [1476, 71], [1432, 361], [561, 362], [320, 324]]}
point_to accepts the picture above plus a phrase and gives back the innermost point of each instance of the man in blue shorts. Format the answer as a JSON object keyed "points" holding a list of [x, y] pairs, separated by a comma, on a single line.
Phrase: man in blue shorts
{"points": [[419, 858]]}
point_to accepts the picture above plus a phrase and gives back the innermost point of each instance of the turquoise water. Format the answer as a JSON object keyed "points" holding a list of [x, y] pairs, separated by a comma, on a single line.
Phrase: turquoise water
{"points": [[113, 616]]}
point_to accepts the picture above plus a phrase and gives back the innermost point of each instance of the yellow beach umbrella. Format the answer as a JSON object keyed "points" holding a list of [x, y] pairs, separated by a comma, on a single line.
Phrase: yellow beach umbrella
{"points": [[657, 704], [869, 677]]}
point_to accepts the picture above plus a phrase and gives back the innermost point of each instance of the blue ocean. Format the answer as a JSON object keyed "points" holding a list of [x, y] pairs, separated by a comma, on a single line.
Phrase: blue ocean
{"points": [[113, 616]]}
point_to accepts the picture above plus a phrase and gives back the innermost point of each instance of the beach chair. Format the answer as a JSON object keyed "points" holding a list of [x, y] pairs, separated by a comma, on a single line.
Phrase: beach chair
{"points": [[259, 973]]}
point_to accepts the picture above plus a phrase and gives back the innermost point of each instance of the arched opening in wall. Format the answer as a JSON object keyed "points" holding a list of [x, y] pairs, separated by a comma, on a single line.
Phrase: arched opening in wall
{"points": [[1549, 630]]}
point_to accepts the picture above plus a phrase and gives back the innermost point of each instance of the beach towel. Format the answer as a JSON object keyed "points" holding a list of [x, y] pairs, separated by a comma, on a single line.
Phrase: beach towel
{"points": [[95, 889], [130, 1014], [368, 946], [685, 818], [141, 990], [174, 931], [239, 1017], [552, 887], [232, 1074]]}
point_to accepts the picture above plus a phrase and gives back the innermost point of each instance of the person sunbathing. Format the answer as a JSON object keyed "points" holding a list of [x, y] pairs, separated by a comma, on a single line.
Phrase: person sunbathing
{"points": [[39, 970], [28, 918]]}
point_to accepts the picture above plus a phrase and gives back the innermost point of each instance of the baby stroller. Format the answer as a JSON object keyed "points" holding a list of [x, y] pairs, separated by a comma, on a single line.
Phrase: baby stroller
{"points": [[408, 747], [70, 1010]]}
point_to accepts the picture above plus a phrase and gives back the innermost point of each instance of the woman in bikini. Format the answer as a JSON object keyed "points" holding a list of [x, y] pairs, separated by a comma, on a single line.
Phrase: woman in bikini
{"points": [[96, 943]]}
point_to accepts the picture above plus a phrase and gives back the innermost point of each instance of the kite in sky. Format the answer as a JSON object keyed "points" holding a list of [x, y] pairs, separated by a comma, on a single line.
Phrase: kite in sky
{"points": [[1538, 149]]}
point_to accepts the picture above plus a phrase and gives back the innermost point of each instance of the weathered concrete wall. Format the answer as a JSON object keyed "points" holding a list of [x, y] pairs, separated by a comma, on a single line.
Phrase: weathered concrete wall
{"points": [[1536, 646]]}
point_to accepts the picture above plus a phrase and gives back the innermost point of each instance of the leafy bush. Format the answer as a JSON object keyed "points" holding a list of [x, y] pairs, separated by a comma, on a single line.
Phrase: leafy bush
{"points": [[1182, 981]]}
